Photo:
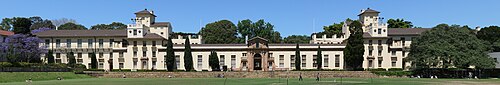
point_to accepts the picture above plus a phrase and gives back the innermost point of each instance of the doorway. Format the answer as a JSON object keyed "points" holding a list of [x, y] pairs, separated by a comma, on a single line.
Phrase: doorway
{"points": [[257, 62]]}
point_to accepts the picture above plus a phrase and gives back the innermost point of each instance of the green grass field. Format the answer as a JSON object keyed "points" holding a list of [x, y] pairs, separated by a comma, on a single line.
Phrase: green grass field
{"points": [[260, 81], [38, 76]]}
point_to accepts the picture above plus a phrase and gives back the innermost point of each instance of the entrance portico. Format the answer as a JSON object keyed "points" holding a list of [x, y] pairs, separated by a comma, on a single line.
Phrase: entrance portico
{"points": [[258, 56]]}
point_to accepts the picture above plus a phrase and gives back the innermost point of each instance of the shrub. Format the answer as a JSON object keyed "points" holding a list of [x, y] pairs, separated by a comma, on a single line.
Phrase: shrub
{"points": [[396, 69], [5, 64], [378, 69], [393, 73]]}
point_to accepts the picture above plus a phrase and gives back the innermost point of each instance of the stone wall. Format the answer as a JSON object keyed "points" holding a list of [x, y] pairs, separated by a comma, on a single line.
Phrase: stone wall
{"points": [[291, 74]]}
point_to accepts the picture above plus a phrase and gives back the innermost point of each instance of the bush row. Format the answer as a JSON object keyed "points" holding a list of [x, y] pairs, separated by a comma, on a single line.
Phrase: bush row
{"points": [[393, 73]]}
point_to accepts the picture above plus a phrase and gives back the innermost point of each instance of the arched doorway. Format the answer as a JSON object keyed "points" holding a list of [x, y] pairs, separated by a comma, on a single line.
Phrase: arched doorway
{"points": [[257, 62]]}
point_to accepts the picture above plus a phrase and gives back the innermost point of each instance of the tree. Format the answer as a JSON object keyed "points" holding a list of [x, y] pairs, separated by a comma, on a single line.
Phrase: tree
{"points": [[213, 61], [71, 26], [260, 28], [354, 50], [50, 57], [59, 22], [71, 58], [112, 26], [170, 57], [334, 29], [319, 58], [93, 61], [219, 32], [188, 57], [6, 24], [490, 34], [302, 39], [297, 57], [399, 23], [21, 25], [22, 48], [447, 46], [38, 22]]}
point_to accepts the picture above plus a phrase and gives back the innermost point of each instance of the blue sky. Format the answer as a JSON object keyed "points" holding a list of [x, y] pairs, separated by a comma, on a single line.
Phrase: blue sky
{"points": [[290, 17]]}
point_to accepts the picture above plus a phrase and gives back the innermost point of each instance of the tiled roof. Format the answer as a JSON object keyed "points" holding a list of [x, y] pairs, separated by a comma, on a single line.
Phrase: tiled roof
{"points": [[145, 11], [152, 36], [406, 31], [368, 10], [6, 33], [82, 33], [160, 24]]}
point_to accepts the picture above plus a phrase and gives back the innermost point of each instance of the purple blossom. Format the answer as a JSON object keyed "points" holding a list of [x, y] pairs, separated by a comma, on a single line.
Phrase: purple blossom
{"points": [[24, 47], [40, 30]]}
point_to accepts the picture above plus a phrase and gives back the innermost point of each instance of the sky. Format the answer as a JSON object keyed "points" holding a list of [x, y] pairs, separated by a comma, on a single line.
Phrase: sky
{"points": [[290, 17]]}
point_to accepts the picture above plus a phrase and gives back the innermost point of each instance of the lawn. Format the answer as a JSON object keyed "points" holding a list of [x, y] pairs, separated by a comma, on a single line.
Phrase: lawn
{"points": [[260, 81], [38, 76]]}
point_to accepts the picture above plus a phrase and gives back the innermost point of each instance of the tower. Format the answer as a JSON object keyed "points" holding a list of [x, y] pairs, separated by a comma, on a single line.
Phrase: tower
{"points": [[370, 20]]}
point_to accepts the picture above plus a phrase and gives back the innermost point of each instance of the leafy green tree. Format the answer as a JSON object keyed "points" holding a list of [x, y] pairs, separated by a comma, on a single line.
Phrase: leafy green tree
{"points": [[188, 56], [6, 24], [170, 57], [38, 22], [219, 32], [354, 50], [490, 34], [50, 57], [112, 26], [297, 57], [260, 28], [21, 25], [71, 26], [334, 29], [447, 46], [93, 61], [302, 39], [213, 61], [71, 58], [399, 23], [319, 58]]}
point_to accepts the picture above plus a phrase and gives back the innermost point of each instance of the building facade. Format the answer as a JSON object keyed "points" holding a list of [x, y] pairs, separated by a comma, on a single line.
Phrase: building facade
{"points": [[142, 46]]}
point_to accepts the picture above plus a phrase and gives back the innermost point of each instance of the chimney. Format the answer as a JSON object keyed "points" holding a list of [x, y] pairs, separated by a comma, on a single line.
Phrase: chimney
{"points": [[246, 39]]}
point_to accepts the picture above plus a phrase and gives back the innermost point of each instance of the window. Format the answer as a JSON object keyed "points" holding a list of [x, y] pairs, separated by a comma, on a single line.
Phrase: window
{"points": [[282, 61], [153, 43], [221, 60], [135, 64], [379, 42], [144, 53], [394, 59], [370, 63], [153, 64], [177, 61], [79, 41], [91, 43], [68, 43], [101, 65], [101, 43], [379, 31], [154, 54], [200, 61], [135, 53], [370, 42], [337, 60], [58, 57], [111, 55], [496, 59], [303, 60], [379, 52], [244, 54], [380, 61], [393, 53], [144, 43], [47, 43], [135, 31], [111, 42], [292, 61], [325, 61], [135, 43], [194, 36], [403, 41], [120, 65], [101, 55], [58, 43], [370, 52], [233, 61], [404, 53], [120, 54], [315, 59], [79, 55]]}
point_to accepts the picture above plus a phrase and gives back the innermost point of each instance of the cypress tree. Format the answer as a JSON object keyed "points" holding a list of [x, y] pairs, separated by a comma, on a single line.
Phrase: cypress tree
{"points": [[188, 57], [50, 57], [71, 58], [214, 61], [354, 50], [170, 58], [319, 58], [297, 57], [93, 61]]}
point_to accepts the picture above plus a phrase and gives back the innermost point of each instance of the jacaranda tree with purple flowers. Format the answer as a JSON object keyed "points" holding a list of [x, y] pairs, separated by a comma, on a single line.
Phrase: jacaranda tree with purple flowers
{"points": [[22, 48]]}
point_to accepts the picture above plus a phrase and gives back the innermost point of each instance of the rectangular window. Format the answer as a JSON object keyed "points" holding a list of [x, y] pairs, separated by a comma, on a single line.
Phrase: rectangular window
{"points": [[144, 43], [101, 55], [315, 59], [120, 54], [379, 31], [68, 43], [233, 61], [135, 53], [79, 43], [394, 59], [393, 52], [91, 43], [403, 41], [144, 53], [153, 64], [135, 43], [120, 65], [337, 60], [135, 31], [79, 55], [154, 54], [101, 43], [110, 55], [281, 61], [200, 61], [370, 52], [370, 63], [370, 42], [178, 60], [221, 60], [135, 65], [111, 42], [47, 43], [292, 61], [379, 42], [404, 53], [58, 43], [380, 61], [304, 60], [379, 52], [325, 61], [153, 43], [101, 65], [244, 54]]}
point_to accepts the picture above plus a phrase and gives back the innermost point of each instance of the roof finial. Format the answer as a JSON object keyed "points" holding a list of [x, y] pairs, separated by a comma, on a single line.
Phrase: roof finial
{"points": [[145, 9], [368, 8]]}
